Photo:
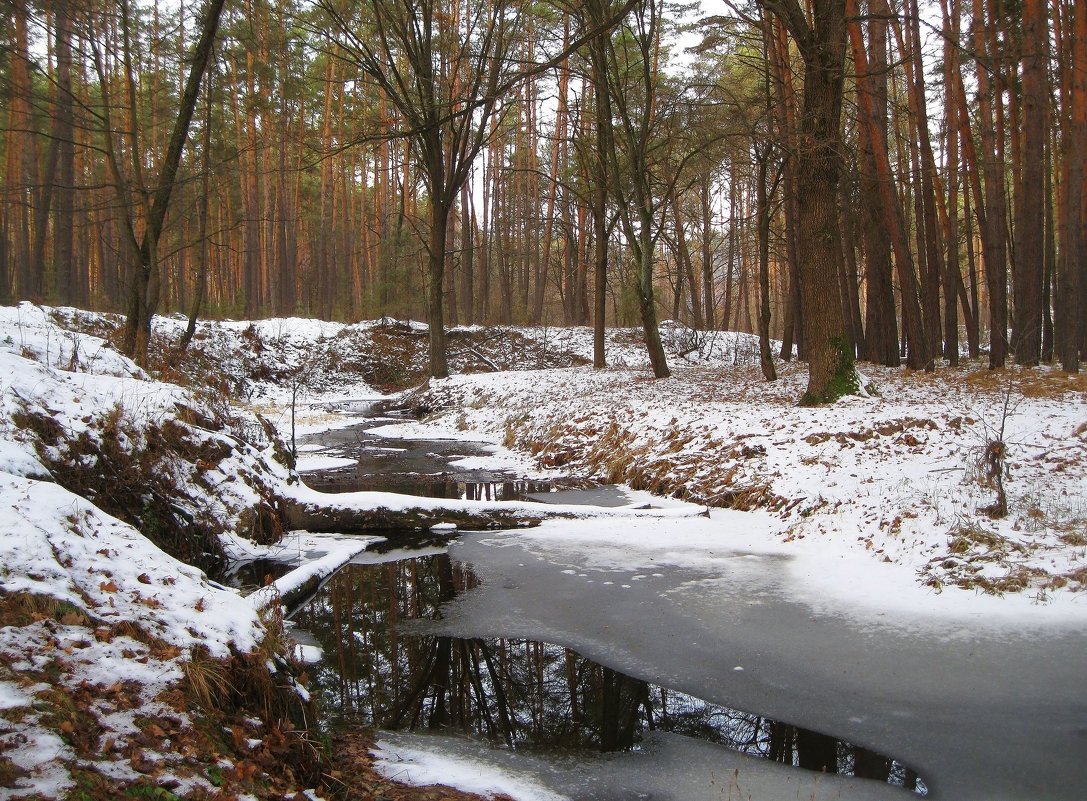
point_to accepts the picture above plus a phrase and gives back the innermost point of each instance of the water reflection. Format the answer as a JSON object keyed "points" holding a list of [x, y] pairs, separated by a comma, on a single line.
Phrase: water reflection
{"points": [[524, 693], [250, 574], [445, 485]]}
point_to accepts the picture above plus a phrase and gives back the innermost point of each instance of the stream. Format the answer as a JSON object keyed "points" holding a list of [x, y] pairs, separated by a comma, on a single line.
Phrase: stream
{"points": [[619, 675]]}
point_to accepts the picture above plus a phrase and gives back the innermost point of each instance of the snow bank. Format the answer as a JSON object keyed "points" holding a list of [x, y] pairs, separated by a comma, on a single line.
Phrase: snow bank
{"points": [[95, 609], [896, 477], [423, 764]]}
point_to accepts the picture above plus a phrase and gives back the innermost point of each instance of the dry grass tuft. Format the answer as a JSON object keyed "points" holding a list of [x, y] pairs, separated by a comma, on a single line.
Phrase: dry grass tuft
{"points": [[207, 680], [24, 608]]}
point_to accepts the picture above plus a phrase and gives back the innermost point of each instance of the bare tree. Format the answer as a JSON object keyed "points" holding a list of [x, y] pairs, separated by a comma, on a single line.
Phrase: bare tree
{"points": [[448, 71], [149, 200]]}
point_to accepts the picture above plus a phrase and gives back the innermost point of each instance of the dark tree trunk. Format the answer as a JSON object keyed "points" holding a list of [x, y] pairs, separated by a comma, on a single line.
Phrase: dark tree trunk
{"points": [[708, 300], [766, 358], [439, 222], [891, 212], [994, 224], [467, 259], [953, 270], [1030, 194], [1070, 329], [144, 291], [66, 288], [816, 751], [831, 372]]}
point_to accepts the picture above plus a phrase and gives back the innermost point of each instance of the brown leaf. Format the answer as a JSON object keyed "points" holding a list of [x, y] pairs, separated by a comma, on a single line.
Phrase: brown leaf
{"points": [[108, 586], [143, 578]]}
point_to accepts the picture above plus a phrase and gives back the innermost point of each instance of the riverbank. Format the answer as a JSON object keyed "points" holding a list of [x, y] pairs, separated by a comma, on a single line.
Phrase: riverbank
{"points": [[904, 477], [125, 671], [123, 667]]}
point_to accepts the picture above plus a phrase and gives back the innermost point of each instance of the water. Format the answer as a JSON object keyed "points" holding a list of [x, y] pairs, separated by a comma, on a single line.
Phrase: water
{"points": [[984, 713], [386, 666], [250, 574], [413, 466]]}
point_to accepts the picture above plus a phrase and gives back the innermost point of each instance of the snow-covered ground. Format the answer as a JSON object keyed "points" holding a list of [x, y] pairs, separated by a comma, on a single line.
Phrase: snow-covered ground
{"points": [[98, 626], [882, 504], [870, 518], [898, 478]]}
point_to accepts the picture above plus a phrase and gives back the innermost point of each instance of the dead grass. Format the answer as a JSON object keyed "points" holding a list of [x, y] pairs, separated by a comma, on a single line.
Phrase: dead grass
{"points": [[680, 463], [207, 680], [1030, 383], [985, 561], [23, 608], [229, 712], [9, 771]]}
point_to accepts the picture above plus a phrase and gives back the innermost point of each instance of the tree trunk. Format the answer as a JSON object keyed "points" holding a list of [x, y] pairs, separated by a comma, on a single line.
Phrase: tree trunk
{"points": [[786, 120], [1069, 327], [917, 356], [708, 299], [995, 227], [20, 163], [439, 221], [953, 271], [766, 358], [647, 305], [144, 290], [1030, 194], [467, 260], [685, 264], [831, 372], [65, 285]]}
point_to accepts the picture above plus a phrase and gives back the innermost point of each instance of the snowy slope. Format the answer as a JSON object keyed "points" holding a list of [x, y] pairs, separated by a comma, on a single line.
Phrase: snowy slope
{"points": [[899, 476], [90, 608]]}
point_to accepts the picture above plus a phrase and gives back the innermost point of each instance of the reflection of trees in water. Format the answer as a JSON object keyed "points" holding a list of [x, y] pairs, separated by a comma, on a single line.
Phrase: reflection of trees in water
{"points": [[520, 692]]}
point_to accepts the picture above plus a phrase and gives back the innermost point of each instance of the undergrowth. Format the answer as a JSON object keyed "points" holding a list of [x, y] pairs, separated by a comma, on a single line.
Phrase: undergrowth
{"points": [[240, 725], [154, 475]]}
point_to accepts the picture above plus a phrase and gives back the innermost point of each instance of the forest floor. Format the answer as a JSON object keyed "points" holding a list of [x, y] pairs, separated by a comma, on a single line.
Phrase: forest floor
{"points": [[965, 477], [126, 672]]}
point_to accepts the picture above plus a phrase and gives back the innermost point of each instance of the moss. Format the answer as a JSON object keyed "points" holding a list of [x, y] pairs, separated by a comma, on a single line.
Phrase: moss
{"points": [[844, 380]]}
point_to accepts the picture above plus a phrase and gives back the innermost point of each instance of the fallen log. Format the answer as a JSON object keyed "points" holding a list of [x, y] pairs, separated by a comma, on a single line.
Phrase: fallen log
{"points": [[362, 512], [320, 518]]}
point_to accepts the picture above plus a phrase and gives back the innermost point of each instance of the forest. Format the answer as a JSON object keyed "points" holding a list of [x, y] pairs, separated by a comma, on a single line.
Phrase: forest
{"points": [[249, 549], [891, 181]]}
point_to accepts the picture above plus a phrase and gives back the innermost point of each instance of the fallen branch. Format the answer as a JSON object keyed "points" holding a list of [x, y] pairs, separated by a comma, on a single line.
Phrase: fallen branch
{"points": [[357, 512], [320, 518]]}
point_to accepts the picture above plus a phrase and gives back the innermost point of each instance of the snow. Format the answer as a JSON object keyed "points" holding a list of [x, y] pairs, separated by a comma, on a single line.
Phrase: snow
{"points": [[735, 546], [872, 508], [422, 765], [337, 553], [393, 502], [665, 766], [310, 462], [892, 477], [11, 697], [102, 573]]}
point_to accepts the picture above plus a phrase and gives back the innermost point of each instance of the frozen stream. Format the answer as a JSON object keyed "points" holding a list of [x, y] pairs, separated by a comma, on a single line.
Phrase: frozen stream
{"points": [[981, 714], [981, 711]]}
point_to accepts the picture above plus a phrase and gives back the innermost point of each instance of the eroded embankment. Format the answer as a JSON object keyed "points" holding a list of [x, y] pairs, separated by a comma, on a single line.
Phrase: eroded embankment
{"points": [[906, 475]]}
